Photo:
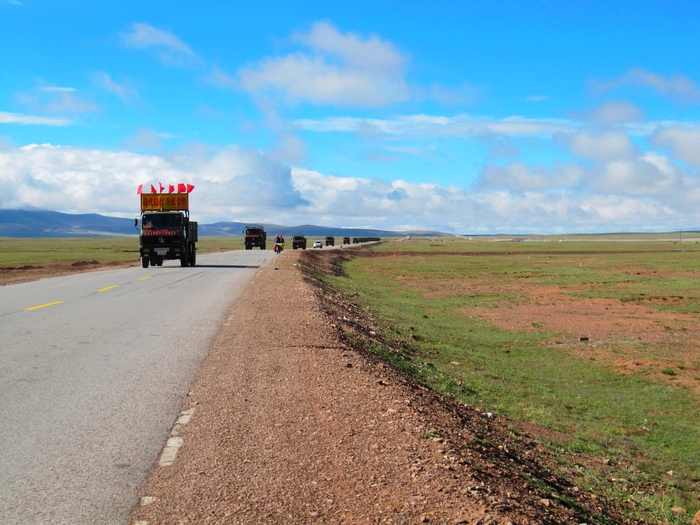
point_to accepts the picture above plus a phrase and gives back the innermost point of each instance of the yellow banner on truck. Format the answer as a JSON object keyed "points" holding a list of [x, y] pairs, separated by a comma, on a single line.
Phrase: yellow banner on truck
{"points": [[165, 202]]}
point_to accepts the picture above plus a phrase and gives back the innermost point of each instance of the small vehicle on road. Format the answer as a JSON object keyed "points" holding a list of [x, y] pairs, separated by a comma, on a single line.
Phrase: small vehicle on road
{"points": [[318, 244], [299, 241]]}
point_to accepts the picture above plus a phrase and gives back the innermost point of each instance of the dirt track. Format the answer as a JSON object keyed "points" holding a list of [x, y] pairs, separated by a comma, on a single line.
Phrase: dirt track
{"points": [[293, 425]]}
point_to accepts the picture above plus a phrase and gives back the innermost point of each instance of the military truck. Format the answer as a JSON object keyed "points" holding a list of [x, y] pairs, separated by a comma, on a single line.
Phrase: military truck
{"points": [[299, 241], [346, 240], [330, 241], [255, 235], [166, 230]]}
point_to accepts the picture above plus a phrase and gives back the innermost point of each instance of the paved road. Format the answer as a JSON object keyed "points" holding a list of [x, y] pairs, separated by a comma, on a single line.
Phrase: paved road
{"points": [[92, 371]]}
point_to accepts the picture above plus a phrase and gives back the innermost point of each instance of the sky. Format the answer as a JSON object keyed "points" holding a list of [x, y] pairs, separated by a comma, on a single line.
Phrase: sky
{"points": [[472, 117]]}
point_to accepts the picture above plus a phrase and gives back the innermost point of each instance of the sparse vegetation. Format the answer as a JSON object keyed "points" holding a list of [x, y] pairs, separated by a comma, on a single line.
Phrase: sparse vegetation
{"points": [[604, 396]]}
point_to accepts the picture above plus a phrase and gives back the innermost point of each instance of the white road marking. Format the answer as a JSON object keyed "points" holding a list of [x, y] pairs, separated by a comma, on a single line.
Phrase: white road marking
{"points": [[170, 451], [172, 446]]}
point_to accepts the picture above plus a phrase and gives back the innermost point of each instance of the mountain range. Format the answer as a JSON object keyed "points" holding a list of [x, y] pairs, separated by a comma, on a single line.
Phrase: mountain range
{"points": [[42, 223]]}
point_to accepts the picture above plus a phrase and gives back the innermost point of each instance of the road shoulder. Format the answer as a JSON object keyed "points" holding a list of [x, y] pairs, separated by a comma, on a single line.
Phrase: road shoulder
{"points": [[287, 423]]}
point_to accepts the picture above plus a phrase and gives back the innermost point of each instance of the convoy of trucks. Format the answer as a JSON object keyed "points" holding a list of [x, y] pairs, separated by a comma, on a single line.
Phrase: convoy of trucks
{"points": [[166, 231]]}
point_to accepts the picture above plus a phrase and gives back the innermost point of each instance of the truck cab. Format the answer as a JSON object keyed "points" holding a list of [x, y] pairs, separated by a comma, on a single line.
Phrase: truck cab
{"points": [[167, 235], [330, 241]]}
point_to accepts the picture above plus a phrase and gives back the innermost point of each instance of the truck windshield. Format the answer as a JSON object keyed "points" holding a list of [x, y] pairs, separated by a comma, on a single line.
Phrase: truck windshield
{"points": [[162, 221]]}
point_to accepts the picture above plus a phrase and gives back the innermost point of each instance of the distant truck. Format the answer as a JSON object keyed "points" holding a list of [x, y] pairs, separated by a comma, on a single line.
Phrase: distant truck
{"points": [[330, 241], [346, 240], [166, 230], [255, 235], [358, 240], [299, 242]]}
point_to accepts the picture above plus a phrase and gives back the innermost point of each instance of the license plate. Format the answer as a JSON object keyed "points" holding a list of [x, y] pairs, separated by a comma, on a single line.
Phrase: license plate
{"points": [[161, 251]]}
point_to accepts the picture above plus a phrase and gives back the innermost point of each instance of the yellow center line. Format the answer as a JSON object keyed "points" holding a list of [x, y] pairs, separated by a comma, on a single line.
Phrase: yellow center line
{"points": [[168, 271], [108, 288], [144, 278], [44, 305]]}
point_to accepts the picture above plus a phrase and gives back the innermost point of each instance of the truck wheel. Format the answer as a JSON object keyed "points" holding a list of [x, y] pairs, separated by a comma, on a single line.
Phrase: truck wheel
{"points": [[144, 262], [159, 262], [262, 246], [152, 261], [193, 255], [183, 258], [247, 247]]}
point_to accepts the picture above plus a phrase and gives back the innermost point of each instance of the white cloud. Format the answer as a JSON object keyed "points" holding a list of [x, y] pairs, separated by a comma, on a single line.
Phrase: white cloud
{"points": [[537, 98], [232, 183], [683, 142], [614, 112], [649, 175], [18, 118], [518, 177], [676, 87], [458, 126], [56, 100], [340, 69], [170, 49], [236, 183], [602, 146], [464, 94], [125, 90], [57, 89], [145, 139], [289, 148], [371, 53]]}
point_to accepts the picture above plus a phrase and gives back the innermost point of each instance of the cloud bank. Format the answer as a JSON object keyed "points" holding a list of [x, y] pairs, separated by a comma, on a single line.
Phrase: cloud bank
{"points": [[633, 191]]}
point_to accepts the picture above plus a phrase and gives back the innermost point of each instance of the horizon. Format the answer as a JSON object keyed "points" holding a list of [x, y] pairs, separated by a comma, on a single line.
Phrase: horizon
{"points": [[501, 117], [426, 233]]}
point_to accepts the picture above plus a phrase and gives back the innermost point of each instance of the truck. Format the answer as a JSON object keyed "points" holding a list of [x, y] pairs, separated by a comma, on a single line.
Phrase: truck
{"points": [[299, 241], [166, 230], [346, 240], [255, 235], [330, 241]]}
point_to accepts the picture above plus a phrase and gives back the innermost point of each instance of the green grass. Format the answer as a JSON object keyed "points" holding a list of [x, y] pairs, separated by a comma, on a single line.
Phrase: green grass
{"points": [[20, 252], [423, 301]]}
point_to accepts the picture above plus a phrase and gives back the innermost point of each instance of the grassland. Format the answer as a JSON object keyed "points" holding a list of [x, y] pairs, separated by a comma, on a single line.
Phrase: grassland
{"points": [[594, 343], [20, 252]]}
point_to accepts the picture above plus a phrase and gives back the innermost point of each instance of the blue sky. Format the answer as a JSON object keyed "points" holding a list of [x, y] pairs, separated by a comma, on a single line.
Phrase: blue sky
{"points": [[478, 116]]}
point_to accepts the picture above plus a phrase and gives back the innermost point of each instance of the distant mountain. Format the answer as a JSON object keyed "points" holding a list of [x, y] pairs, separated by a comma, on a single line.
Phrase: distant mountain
{"points": [[24, 223], [39, 223]]}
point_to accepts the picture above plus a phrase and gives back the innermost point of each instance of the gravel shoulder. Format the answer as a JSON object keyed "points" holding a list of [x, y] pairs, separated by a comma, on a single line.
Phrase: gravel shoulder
{"points": [[289, 422]]}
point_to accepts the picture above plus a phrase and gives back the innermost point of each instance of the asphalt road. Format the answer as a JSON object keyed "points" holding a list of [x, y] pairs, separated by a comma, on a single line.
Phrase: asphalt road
{"points": [[93, 368]]}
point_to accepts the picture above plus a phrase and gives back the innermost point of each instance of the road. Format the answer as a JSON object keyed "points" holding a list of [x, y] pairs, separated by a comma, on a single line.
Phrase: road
{"points": [[93, 368]]}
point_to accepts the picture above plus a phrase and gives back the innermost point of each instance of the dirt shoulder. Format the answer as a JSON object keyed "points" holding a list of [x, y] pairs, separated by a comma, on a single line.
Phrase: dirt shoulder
{"points": [[289, 421], [34, 272]]}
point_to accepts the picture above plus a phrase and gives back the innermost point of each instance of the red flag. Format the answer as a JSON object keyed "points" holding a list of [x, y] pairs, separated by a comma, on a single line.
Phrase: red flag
{"points": [[139, 190], [171, 188], [161, 187], [153, 189], [190, 187], [181, 188]]}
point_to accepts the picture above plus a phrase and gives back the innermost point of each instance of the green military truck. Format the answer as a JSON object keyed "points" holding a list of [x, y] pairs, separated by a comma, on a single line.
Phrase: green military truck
{"points": [[255, 235]]}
